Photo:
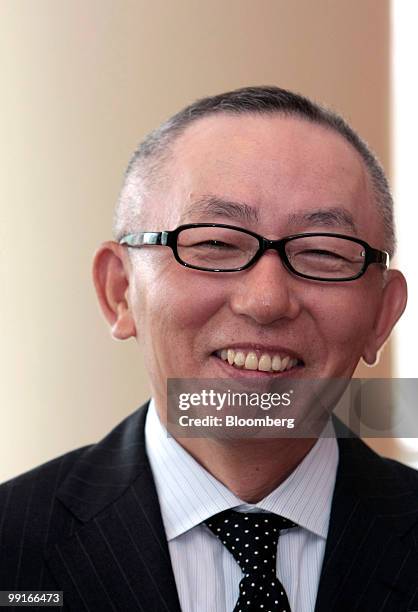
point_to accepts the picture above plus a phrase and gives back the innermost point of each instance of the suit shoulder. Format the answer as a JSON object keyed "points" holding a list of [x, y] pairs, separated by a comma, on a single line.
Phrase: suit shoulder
{"points": [[408, 475], [53, 471]]}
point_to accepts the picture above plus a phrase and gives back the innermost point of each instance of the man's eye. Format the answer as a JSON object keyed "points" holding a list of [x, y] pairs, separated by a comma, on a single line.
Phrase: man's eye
{"points": [[321, 254], [213, 244]]}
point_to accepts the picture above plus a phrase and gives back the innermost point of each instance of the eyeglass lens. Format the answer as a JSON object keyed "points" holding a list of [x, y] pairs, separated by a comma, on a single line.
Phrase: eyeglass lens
{"points": [[218, 248]]}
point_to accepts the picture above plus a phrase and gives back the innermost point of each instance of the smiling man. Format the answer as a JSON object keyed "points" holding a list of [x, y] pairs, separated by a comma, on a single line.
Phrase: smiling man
{"points": [[252, 239]]}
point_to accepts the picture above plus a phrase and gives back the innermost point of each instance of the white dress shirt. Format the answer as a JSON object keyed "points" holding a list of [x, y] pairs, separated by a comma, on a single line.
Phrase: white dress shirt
{"points": [[207, 575]]}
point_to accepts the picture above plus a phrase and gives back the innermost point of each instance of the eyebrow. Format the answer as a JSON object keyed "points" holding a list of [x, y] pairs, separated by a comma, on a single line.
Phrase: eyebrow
{"points": [[215, 206], [336, 216]]}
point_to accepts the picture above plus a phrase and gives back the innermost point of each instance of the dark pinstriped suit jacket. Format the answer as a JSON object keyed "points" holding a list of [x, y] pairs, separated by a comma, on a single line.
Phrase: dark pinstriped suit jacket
{"points": [[89, 523]]}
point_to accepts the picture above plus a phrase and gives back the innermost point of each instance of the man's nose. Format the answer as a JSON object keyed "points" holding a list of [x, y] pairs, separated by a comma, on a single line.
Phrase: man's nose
{"points": [[264, 291]]}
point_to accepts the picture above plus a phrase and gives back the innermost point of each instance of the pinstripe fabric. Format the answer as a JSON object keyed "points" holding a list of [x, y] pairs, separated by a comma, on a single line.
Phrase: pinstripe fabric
{"points": [[28, 503], [207, 575], [89, 523]]}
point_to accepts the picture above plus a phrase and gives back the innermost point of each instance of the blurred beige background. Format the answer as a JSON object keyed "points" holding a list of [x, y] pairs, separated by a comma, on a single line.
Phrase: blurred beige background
{"points": [[82, 83]]}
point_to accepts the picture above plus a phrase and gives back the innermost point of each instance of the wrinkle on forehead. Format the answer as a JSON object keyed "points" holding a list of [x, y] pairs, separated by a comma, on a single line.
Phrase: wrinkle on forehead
{"points": [[286, 149]]}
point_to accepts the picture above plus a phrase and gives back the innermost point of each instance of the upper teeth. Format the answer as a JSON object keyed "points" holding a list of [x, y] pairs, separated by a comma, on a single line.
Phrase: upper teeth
{"points": [[250, 361]]}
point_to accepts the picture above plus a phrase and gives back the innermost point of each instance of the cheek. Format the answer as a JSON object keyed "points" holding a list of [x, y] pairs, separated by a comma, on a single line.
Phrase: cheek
{"points": [[345, 320], [182, 302]]}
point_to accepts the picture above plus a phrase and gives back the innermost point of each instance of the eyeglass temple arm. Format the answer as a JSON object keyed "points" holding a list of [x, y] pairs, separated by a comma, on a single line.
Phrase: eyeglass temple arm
{"points": [[381, 257], [136, 240]]}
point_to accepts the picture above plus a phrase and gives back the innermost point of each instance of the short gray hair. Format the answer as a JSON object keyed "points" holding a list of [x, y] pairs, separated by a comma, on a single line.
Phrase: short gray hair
{"points": [[147, 162]]}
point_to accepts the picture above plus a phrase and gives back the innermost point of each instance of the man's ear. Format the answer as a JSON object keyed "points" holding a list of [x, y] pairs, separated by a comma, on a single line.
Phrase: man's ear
{"points": [[111, 267], [392, 305]]}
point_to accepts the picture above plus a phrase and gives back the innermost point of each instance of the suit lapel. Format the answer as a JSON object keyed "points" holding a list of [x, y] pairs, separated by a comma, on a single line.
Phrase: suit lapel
{"points": [[369, 562], [117, 557]]}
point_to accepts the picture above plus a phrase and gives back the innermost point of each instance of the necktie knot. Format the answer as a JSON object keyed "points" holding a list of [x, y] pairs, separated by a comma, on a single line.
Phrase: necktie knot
{"points": [[251, 537]]}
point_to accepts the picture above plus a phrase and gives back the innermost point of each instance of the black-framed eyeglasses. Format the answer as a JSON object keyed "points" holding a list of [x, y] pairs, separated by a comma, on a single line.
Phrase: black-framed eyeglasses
{"points": [[216, 247]]}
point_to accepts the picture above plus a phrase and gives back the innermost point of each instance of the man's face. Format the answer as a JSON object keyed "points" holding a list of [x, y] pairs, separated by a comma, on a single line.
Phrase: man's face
{"points": [[296, 177]]}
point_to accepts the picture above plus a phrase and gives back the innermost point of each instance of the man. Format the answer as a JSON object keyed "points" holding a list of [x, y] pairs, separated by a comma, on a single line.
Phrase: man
{"points": [[131, 523]]}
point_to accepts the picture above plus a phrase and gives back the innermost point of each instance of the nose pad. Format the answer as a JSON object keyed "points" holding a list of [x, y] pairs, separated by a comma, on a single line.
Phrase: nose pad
{"points": [[265, 292]]}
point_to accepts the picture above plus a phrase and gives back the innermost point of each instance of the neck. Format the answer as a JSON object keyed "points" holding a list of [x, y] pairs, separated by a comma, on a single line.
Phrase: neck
{"points": [[251, 469]]}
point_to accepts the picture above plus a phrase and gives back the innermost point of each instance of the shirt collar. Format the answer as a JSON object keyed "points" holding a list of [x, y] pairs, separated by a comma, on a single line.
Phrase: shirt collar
{"points": [[189, 494]]}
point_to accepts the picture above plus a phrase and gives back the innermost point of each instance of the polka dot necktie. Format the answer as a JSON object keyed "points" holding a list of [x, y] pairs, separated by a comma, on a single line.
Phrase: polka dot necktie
{"points": [[252, 538]]}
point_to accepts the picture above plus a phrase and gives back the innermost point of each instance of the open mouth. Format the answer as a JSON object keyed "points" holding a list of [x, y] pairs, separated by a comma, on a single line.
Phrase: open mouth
{"points": [[259, 361]]}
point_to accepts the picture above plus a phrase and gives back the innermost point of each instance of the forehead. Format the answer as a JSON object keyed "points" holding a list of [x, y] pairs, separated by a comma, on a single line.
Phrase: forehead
{"points": [[279, 166]]}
